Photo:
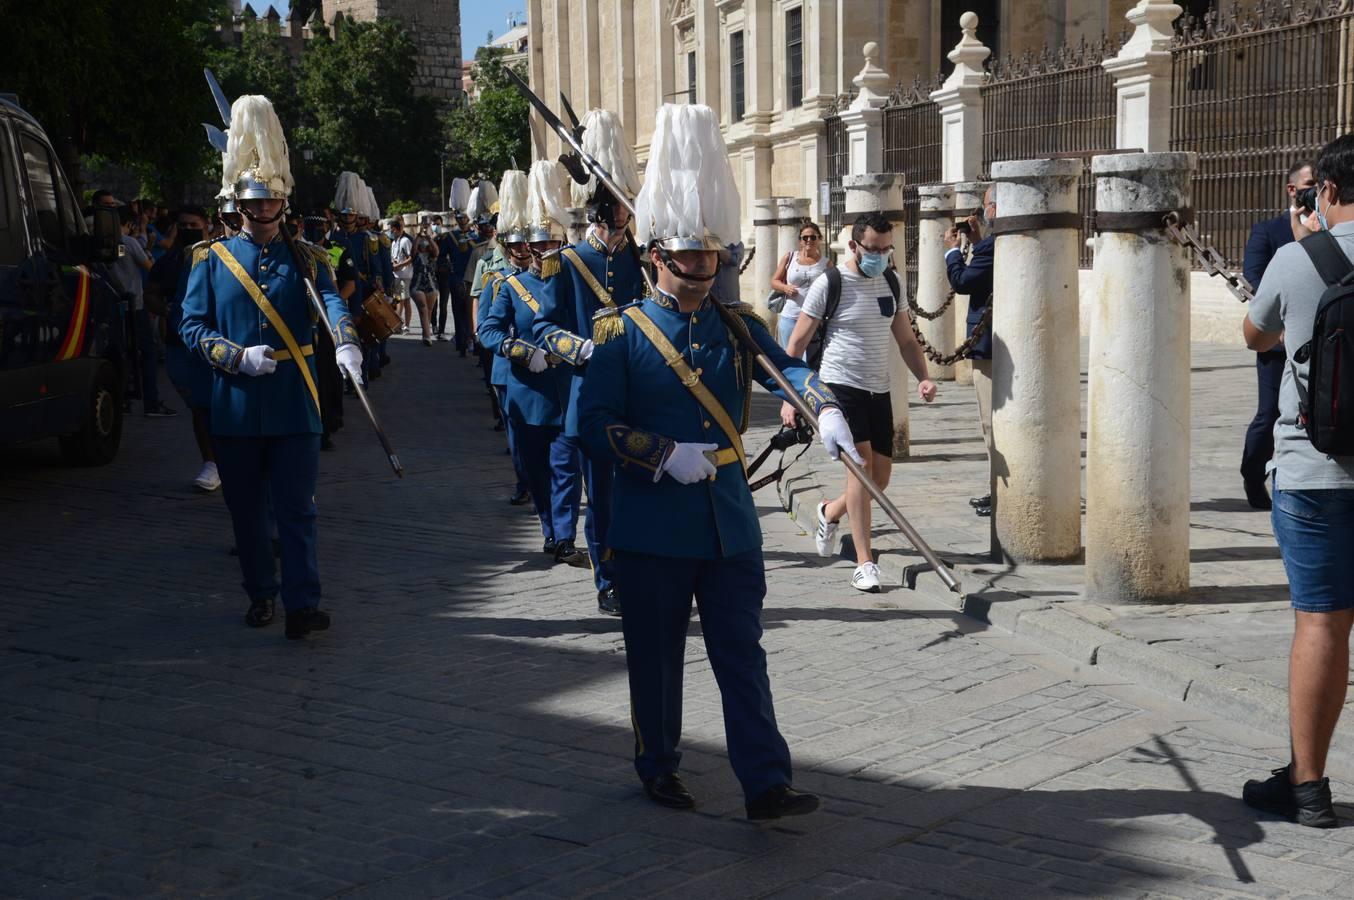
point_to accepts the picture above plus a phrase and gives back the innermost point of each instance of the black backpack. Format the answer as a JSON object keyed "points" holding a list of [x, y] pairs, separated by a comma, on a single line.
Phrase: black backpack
{"points": [[818, 343], [1326, 407]]}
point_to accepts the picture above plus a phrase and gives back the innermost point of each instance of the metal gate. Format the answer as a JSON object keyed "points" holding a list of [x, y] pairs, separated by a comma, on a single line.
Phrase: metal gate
{"points": [[912, 144], [838, 166]]}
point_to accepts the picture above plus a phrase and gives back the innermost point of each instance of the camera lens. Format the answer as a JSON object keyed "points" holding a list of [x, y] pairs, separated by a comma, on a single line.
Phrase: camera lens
{"points": [[1306, 198]]}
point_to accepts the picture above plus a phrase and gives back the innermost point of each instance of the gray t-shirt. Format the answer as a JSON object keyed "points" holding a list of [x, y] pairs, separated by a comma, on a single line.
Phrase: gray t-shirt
{"points": [[126, 269], [860, 332], [1286, 301]]}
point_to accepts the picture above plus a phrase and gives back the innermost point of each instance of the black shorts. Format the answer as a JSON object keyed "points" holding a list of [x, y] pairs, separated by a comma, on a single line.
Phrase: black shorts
{"points": [[869, 415]]}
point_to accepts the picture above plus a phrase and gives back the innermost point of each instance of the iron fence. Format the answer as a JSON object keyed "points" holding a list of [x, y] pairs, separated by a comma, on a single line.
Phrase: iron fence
{"points": [[838, 166], [1052, 104], [1253, 90], [912, 148]]}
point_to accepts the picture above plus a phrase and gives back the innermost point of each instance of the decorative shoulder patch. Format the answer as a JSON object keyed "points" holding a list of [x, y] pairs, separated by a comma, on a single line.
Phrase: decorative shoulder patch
{"points": [[201, 250], [748, 311], [607, 325], [385, 241]]}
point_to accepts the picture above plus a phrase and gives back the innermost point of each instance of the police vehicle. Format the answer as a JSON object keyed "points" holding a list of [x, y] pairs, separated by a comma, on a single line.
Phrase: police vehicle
{"points": [[62, 357]]}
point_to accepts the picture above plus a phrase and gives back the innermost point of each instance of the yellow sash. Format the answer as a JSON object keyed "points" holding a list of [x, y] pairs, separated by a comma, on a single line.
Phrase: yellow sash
{"points": [[523, 293], [591, 279], [293, 349], [690, 380]]}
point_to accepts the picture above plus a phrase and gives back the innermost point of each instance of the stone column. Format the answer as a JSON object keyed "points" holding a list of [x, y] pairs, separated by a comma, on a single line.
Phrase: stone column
{"points": [[1137, 458], [961, 106], [1036, 366], [765, 221], [937, 204], [1142, 78], [883, 193], [791, 211], [968, 195]]}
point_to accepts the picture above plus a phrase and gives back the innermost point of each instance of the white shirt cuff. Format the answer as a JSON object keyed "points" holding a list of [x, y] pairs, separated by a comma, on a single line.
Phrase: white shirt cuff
{"points": [[952, 250]]}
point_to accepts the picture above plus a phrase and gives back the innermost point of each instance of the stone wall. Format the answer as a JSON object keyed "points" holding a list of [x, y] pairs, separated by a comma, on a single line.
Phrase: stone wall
{"points": [[434, 25]]}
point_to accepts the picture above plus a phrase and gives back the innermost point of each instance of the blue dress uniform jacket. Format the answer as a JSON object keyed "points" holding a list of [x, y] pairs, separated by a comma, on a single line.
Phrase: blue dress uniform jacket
{"points": [[975, 280], [632, 408], [367, 263], [537, 397], [380, 246], [493, 284], [565, 320], [220, 319]]}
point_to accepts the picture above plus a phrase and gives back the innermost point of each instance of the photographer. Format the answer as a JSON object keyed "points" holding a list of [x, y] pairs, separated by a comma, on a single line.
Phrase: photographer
{"points": [[974, 278], [1313, 506], [1265, 240]]}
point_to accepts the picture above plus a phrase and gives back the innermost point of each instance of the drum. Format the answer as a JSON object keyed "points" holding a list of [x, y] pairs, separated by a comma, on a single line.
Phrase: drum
{"points": [[379, 319]]}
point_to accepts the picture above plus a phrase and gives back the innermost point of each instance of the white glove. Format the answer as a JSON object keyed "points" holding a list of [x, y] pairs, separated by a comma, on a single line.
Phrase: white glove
{"points": [[537, 362], [585, 352], [836, 434], [686, 463], [350, 361], [257, 360]]}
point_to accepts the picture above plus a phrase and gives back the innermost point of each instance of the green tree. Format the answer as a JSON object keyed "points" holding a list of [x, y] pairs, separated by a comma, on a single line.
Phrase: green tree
{"points": [[116, 80], [486, 137], [400, 207], [360, 110]]}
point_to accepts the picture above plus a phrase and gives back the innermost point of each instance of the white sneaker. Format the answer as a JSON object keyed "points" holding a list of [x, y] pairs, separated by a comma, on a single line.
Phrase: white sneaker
{"points": [[866, 578], [208, 479], [826, 533]]}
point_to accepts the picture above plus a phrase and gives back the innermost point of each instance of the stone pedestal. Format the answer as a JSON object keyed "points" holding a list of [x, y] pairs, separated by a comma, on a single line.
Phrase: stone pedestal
{"points": [[766, 234], [961, 106], [791, 211], [884, 193], [1137, 457], [933, 287], [968, 196], [1036, 371], [1142, 78]]}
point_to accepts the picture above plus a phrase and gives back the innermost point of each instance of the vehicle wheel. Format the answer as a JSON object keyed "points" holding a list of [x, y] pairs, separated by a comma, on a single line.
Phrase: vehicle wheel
{"points": [[96, 443]]}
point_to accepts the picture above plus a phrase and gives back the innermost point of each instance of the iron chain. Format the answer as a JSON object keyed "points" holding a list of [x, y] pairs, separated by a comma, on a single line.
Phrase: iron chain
{"points": [[1210, 259], [963, 351]]}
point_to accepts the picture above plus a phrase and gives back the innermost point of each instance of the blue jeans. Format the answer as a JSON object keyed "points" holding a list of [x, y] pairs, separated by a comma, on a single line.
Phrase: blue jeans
{"points": [[1315, 531]]}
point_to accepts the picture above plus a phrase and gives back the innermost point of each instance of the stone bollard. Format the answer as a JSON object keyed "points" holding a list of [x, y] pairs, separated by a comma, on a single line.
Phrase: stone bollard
{"points": [[766, 233], [792, 210], [933, 287], [883, 193], [1036, 362], [968, 196], [1137, 458]]}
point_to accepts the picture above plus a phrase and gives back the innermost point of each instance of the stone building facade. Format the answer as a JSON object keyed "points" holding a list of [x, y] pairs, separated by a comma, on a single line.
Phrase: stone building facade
{"points": [[435, 26], [770, 68]]}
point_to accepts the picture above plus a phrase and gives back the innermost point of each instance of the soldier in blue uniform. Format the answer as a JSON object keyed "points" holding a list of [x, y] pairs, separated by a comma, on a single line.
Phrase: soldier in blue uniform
{"points": [[246, 312], [537, 385], [599, 273], [665, 397], [350, 200]]}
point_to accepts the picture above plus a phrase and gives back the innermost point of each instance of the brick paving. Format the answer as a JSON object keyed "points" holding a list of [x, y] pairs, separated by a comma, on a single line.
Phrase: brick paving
{"points": [[463, 728]]}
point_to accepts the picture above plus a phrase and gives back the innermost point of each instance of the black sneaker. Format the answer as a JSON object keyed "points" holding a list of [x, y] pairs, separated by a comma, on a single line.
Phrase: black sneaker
{"points": [[160, 411], [609, 602], [304, 621], [1307, 804], [549, 547]]}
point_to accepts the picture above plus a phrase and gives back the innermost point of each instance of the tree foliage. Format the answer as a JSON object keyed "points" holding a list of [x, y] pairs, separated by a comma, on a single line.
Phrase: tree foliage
{"points": [[485, 138]]}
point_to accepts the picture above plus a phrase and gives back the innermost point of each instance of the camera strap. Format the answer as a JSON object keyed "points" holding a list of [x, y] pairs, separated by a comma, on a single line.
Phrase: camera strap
{"points": [[781, 466]]}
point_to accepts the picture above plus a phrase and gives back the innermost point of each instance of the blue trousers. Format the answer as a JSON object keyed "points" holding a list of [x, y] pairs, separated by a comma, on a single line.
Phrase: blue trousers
{"points": [[283, 468], [597, 478], [1260, 433], [656, 594], [552, 470], [514, 440]]}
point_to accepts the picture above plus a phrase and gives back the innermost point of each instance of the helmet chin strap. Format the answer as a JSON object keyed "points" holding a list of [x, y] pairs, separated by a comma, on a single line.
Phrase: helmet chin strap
{"points": [[260, 220], [671, 265]]}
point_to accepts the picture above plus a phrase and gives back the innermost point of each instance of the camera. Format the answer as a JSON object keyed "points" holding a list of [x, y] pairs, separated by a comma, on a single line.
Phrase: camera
{"points": [[963, 228], [1305, 198], [789, 437]]}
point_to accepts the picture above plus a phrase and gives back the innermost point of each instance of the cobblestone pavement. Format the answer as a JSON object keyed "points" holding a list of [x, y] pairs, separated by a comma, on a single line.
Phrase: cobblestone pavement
{"points": [[463, 729], [1226, 644]]}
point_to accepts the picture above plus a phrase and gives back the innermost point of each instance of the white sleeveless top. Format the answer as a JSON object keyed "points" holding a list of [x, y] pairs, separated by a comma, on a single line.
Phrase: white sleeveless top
{"points": [[801, 276]]}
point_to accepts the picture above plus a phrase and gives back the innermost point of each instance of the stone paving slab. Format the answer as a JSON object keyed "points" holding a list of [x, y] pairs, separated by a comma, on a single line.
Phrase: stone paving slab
{"points": [[463, 729], [1226, 645]]}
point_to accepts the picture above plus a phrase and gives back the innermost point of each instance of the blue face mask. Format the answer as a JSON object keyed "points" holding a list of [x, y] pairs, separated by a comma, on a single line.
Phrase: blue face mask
{"points": [[872, 264], [1320, 216]]}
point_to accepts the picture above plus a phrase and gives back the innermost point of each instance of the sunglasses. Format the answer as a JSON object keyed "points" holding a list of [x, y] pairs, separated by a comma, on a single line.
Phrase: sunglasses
{"points": [[808, 238]]}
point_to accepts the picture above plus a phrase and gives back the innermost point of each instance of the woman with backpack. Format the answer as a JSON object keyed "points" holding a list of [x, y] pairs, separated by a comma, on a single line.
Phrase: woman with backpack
{"points": [[797, 270]]}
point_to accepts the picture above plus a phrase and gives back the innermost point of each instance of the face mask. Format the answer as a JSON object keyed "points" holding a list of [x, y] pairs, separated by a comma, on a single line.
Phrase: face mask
{"points": [[437, 229], [872, 264], [1320, 216]]}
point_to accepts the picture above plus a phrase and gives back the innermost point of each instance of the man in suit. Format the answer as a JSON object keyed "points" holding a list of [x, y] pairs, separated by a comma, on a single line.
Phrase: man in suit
{"points": [[1265, 240], [974, 278]]}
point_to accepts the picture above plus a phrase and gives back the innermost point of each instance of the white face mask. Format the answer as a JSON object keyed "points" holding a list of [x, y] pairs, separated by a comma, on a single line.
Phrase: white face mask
{"points": [[437, 229]]}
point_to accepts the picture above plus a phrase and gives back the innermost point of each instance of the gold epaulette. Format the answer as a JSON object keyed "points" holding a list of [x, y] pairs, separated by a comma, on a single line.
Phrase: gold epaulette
{"points": [[315, 256], [385, 241], [202, 249], [550, 266], [748, 311], [607, 325]]}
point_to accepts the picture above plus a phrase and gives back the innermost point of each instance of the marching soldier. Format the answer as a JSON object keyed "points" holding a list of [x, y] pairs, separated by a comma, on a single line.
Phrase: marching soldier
{"points": [[666, 393], [599, 273], [244, 309], [350, 200], [537, 386]]}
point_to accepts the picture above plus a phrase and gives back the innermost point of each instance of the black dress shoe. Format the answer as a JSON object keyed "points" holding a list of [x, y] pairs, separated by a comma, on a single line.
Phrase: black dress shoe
{"points": [[984, 500], [668, 790], [327, 443], [304, 621], [609, 602], [260, 613], [1257, 496], [519, 499], [782, 800], [550, 547], [983, 511], [567, 553]]}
